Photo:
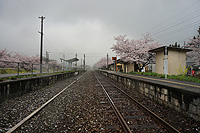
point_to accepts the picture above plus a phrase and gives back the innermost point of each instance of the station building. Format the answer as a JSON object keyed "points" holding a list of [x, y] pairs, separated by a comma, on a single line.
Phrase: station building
{"points": [[123, 66], [176, 59]]}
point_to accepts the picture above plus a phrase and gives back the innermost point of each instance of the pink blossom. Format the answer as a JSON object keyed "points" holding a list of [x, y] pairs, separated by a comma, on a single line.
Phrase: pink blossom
{"points": [[24, 61], [194, 44], [135, 50], [102, 63]]}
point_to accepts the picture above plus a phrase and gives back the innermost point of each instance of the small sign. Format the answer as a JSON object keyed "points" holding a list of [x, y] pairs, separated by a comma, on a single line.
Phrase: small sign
{"points": [[113, 58]]}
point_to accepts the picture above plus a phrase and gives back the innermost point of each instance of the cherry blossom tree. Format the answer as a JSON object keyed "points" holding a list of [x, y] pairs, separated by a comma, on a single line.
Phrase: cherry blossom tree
{"points": [[102, 62], [194, 44], [10, 60], [135, 50], [53, 63], [5, 56]]}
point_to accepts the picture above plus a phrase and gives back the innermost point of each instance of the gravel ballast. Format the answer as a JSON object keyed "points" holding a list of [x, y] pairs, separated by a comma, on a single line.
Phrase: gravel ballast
{"points": [[77, 109]]}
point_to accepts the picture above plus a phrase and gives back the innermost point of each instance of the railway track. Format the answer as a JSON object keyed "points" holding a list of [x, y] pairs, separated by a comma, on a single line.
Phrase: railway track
{"points": [[101, 110], [14, 128], [132, 116]]}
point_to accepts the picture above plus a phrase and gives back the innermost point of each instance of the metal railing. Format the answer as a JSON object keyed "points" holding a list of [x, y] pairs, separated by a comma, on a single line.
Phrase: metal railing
{"points": [[29, 67]]}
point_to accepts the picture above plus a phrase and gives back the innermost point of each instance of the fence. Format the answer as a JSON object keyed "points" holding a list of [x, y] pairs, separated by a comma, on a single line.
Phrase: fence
{"points": [[27, 67]]}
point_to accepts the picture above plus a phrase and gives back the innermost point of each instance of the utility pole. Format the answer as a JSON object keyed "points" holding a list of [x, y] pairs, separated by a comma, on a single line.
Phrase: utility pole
{"points": [[198, 36], [84, 62], [47, 57], [47, 60], [76, 61], [107, 60], [166, 62], [81, 64], [41, 32], [61, 63], [116, 64], [64, 62]]}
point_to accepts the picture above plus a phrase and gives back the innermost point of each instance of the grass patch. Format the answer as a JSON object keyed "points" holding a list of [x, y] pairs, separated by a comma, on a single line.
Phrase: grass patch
{"points": [[12, 70]]}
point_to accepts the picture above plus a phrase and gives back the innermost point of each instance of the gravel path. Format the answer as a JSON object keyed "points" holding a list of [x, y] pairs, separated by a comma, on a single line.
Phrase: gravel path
{"points": [[77, 109]]}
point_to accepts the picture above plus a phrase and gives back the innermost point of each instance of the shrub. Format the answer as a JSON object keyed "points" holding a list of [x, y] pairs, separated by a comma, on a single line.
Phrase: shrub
{"points": [[3, 71], [182, 71]]}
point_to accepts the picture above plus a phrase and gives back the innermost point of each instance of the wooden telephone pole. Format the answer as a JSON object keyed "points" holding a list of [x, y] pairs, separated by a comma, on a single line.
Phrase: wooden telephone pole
{"points": [[41, 32], [107, 62], [84, 62]]}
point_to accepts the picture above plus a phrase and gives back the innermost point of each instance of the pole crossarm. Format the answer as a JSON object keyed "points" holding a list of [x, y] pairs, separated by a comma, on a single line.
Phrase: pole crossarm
{"points": [[72, 60]]}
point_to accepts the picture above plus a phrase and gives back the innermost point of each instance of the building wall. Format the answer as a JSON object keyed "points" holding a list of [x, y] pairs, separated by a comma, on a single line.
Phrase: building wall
{"points": [[175, 60], [124, 68], [154, 68], [130, 67], [159, 62], [127, 67]]}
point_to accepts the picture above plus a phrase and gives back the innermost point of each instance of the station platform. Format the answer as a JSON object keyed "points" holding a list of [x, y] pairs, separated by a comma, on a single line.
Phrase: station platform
{"points": [[190, 87]]}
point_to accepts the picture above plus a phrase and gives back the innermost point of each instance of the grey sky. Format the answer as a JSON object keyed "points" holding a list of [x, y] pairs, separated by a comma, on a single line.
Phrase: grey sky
{"points": [[89, 26]]}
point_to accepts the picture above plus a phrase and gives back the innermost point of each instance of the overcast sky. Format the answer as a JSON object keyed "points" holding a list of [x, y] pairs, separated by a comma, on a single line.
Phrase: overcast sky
{"points": [[89, 26]]}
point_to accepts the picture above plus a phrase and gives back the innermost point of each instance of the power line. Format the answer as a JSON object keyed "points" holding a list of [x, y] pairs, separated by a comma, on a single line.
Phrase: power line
{"points": [[185, 39], [175, 25], [79, 53], [184, 18], [189, 17], [52, 45], [34, 13], [174, 16], [178, 30]]}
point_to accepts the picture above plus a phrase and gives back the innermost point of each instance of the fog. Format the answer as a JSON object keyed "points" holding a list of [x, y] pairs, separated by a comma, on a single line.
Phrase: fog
{"points": [[89, 27]]}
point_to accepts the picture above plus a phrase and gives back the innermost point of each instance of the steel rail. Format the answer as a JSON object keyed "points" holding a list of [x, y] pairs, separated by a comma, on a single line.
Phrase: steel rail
{"points": [[41, 107], [168, 127], [117, 113]]}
